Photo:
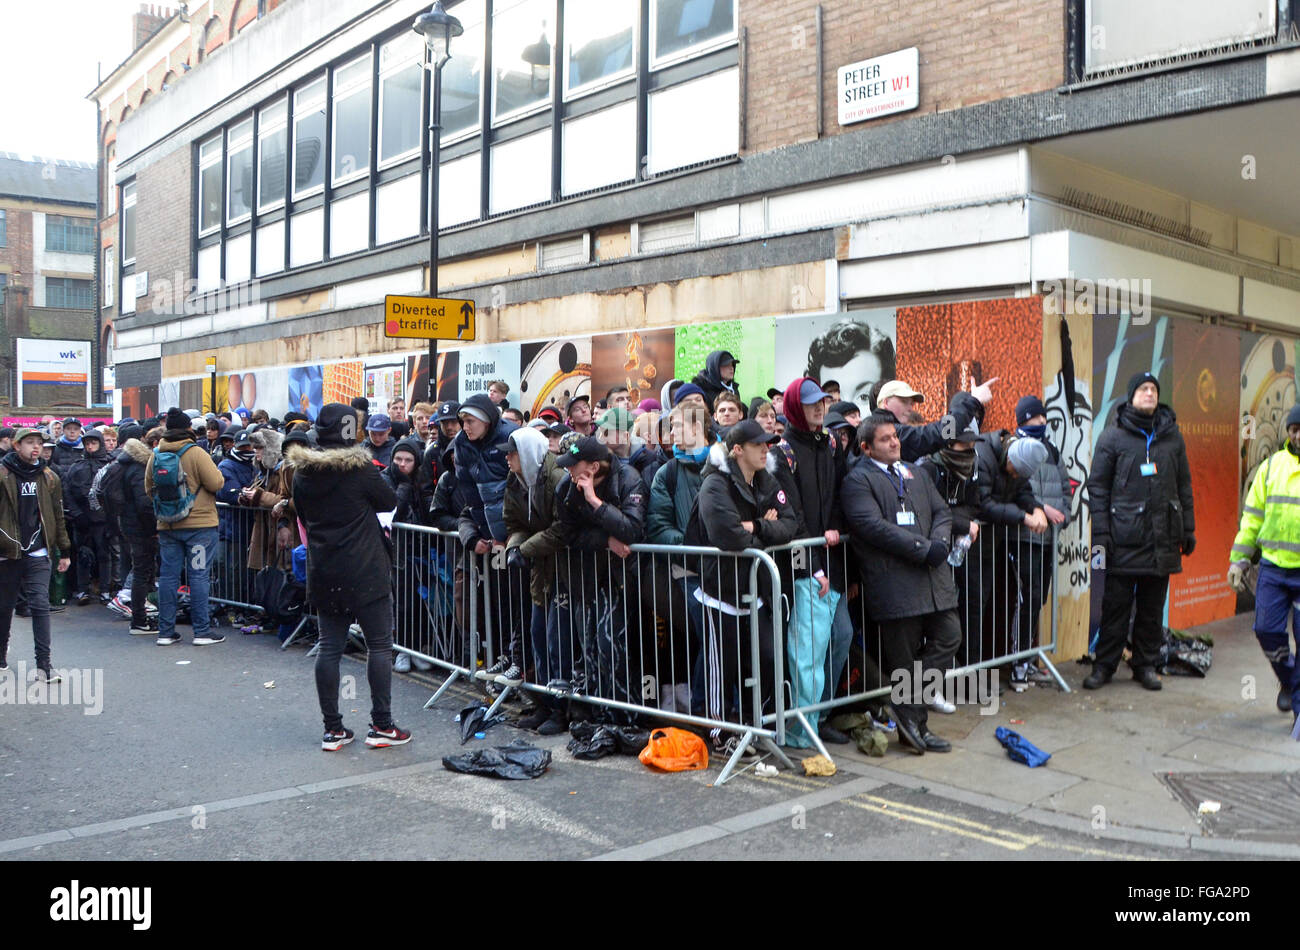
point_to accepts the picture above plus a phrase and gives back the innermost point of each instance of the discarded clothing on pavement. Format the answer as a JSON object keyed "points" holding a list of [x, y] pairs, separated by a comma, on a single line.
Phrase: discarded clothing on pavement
{"points": [[1021, 749]]}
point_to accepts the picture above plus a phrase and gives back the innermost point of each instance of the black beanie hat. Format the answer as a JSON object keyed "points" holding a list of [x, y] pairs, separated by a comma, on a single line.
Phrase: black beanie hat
{"points": [[329, 424], [1030, 406], [177, 419], [129, 430], [1140, 378]]}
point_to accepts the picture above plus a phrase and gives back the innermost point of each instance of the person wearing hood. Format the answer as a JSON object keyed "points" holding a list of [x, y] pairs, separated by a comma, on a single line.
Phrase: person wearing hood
{"points": [[129, 503], [1140, 494], [899, 400], [718, 375], [67, 447], [615, 430], [810, 472], [338, 495], [1050, 485], [190, 542], [533, 541], [741, 505], [444, 426], [412, 498], [89, 523], [1270, 525], [32, 528], [668, 393], [271, 541]]}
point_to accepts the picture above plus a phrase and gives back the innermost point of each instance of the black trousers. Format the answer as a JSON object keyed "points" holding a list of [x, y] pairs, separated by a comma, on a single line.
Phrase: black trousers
{"points": [[1122, 591], [931, 638], [144, 557], [92, 537]]}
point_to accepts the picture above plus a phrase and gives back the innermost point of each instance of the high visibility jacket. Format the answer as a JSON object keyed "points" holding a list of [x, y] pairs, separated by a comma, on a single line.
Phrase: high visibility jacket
{"points": [[1270, 519]]}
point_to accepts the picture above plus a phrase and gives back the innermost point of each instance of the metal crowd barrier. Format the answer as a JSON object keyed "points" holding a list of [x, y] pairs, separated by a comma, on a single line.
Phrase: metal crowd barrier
{"points": [[231, 579], [1003, 586]]}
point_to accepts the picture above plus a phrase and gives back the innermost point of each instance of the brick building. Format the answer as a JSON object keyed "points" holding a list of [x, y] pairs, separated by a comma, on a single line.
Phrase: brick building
{"points": [[835, 188], [47, 263]]}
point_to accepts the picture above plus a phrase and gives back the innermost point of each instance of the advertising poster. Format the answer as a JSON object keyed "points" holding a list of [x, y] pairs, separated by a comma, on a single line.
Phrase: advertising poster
{"points": [[553, 373], [1206, 403], [383, 383], [753, 342], [1268, 391], [305, 390], [417, 377], [856, 349], [53, 372], [342, 382], [263, 389], [641, 360], [139, 402], [480, 365], [942, 349]]}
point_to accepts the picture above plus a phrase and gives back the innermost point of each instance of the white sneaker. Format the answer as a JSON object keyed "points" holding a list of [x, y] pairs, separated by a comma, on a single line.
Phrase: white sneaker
{"points": [[940, 704], [402, 663]]}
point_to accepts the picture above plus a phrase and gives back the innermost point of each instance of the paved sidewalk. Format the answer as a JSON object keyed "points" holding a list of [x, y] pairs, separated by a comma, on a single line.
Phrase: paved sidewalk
{"points": [[1110, 746]]}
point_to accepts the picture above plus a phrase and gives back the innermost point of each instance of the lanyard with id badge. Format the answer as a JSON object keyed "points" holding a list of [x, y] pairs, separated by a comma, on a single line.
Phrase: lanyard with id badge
{"points": [[1148, 468], [903, 517]]}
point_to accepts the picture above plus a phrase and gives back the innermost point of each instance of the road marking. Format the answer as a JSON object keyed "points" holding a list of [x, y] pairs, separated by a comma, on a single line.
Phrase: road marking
{"points": [[953, 829]]}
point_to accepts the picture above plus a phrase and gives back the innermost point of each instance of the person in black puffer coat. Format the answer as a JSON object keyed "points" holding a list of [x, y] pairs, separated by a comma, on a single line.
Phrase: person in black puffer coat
{"points": [[338, 494], [1140, 494], [90, 525], [133, 508]]}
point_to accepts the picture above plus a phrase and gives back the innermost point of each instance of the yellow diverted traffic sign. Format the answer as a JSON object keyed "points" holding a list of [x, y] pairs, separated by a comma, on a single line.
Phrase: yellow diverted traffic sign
{"points": [[429, 318]]}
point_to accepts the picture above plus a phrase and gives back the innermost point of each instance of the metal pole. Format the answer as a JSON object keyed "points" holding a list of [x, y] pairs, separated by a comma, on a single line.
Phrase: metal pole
{"points": [[435, 127]]}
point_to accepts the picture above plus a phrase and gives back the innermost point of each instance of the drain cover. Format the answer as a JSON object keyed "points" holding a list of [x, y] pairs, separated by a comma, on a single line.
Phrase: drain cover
{"points": [[1259, 806]]}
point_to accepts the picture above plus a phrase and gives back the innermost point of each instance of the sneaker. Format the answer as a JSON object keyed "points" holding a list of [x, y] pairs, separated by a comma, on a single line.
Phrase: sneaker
{"points": [[105, 597], [422, 665], [383, 738], [512, 676], [120, 607], [1019, 678], [1039, 676], [333, 741], [495, 670], [559, 685], [168, 641], [940, 704], [727, 748], [81, 597], [555, 724], [208, 639], [402, 663], [50, 676], [144, 628]]}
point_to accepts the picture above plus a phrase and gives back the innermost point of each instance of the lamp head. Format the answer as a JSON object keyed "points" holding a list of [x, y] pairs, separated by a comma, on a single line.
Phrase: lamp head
{"points": [[437, 26]]}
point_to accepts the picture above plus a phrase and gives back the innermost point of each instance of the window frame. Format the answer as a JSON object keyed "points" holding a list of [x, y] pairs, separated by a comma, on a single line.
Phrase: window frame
{"points": [[352, 88], [265, 129], [204, 165], [66, 226], [128, 205], [535, 108], [110, 273], [4, 228], [570, 93], [307, 102], [690, 52], [64, 283], [479, 22], [385, 73], [234, 145]]}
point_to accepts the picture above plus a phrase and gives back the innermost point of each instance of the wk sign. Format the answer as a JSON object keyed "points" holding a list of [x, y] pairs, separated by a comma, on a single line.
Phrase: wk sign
{"points": [[880, 86], [429, 318]]}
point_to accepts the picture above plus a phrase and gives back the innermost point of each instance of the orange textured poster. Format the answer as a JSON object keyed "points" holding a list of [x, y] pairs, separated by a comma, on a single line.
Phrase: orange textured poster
{"points": [[1205, 398], [943, 347]]}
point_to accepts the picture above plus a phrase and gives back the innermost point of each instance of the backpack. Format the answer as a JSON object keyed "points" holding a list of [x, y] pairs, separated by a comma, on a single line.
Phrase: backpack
{"points": [[105, 489], [172, 497]]}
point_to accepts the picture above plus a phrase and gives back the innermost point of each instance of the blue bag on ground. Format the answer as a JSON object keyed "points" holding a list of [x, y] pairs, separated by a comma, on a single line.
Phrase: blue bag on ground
{"points": [[807, 638], [1021, 749]]}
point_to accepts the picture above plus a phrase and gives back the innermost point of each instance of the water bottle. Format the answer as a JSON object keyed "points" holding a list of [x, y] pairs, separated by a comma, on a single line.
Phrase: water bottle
{"points": [[958, 556]]}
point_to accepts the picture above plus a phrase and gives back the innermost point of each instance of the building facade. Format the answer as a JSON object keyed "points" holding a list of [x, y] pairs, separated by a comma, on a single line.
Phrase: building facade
{"points": [[47, 279], [1053, 192]]}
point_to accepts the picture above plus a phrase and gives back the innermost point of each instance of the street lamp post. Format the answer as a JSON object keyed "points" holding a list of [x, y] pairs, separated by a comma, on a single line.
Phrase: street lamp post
{"points": [[437, 26]]}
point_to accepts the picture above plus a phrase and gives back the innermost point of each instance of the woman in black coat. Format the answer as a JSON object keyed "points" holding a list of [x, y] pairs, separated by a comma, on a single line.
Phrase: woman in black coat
{"points": [[1140, 493], [338, 494]]}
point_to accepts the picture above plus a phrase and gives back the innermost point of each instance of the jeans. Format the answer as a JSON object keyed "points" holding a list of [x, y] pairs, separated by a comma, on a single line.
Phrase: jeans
{"points": [[837, 657], [31, 576], [195, 549], [376, 620], [1275, 591]]}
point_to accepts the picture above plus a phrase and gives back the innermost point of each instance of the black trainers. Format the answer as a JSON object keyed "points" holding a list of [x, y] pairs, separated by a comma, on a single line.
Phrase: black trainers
{"points": [[335, 740], [144, 628], [383, 738], [511, 676]]}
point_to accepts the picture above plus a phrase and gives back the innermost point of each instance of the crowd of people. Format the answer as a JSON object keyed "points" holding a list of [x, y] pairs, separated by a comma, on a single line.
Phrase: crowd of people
{"points": [[939, 533]]}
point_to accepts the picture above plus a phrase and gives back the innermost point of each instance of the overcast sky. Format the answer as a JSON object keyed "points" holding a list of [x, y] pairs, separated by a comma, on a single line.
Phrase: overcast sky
{"points": [[45, 111]]}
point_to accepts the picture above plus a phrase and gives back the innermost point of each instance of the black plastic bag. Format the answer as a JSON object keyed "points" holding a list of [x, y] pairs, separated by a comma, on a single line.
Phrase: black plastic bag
{"points": [[593, 740], [1184, 655], [516, 761], [473, 718]]}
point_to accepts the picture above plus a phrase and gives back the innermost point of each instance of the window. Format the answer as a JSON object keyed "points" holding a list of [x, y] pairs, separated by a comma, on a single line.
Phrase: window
{"points": [[68, 293], [309, 138], [598, 48], [108, 273], [522, 54], [110, 186], [401, 76], [352, 120], [682, 28], [462, 77], [4, 229], [210, 185], [239, 172], [73, 235], [4, 285], [272, 137], [128, 223]]}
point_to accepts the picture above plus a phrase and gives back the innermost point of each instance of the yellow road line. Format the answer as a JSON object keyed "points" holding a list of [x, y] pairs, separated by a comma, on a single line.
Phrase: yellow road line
{"points": [[951, 829]]}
